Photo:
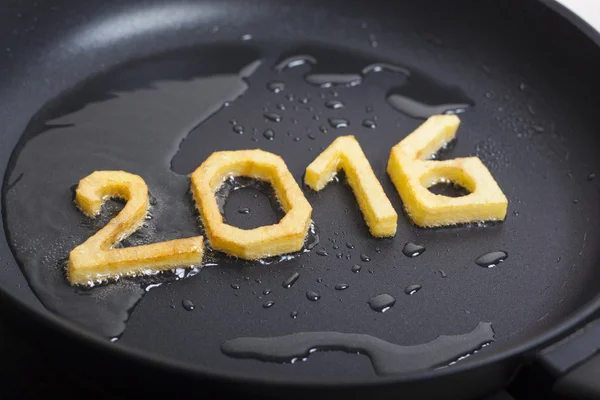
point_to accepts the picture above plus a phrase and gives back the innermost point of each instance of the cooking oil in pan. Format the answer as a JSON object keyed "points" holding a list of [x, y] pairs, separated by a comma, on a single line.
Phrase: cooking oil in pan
{"points": [[417, 96], [386, 358], [161, 122]]}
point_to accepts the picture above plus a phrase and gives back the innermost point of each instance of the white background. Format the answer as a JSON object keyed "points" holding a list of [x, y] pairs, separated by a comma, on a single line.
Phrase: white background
{"points": [[589, 10]]}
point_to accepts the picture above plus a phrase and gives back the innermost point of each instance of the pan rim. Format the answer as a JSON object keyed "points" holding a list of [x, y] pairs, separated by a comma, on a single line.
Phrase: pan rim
{"points": [[72, 331]]}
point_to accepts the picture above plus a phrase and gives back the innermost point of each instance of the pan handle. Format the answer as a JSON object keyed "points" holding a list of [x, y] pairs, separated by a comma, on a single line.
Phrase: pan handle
{"points": [[567, 370]]}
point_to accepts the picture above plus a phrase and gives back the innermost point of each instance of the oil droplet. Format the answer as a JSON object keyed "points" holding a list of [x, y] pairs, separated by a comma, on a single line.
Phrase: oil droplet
{"points": [[575, 201], [379, 67], [290, 280], [273, 117], [382, 302], [334, 104], [295, 61], [267, 292], [280, 107], [269, 134], [338, 123], [349, 245], [329, 80], [339, 255], [490, 260], [313, 296], [188, 305], [365, 257], [356, 268], [152, 286], [413, 249], [341, 286], [322, 253], [591, 177], [244, 210], [373, 40], [235, 286], [319, 280], [311, 136], [238, 129], [276, 87], [304, 100], [367, 123], [246, 37], [416, 109], [297, 139], [294, 314], [268, 304], [257, 280], [412, 289]]}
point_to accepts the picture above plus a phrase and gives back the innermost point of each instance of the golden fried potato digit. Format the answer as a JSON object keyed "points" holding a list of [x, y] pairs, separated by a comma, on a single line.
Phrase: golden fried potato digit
{"points": [[96, 259], [345, 153], [287, 236], [412, 174]]}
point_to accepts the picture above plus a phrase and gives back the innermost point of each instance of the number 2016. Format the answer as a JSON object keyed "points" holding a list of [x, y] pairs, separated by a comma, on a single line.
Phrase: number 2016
{"points": [[410, 168]]}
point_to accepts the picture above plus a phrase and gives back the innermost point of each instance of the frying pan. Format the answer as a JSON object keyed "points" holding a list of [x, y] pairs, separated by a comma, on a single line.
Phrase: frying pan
{"points": [[154, 88]]}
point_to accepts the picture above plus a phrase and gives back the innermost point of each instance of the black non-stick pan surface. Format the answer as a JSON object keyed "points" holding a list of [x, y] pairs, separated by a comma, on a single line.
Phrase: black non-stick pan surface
{"points": [[154, 88]]}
